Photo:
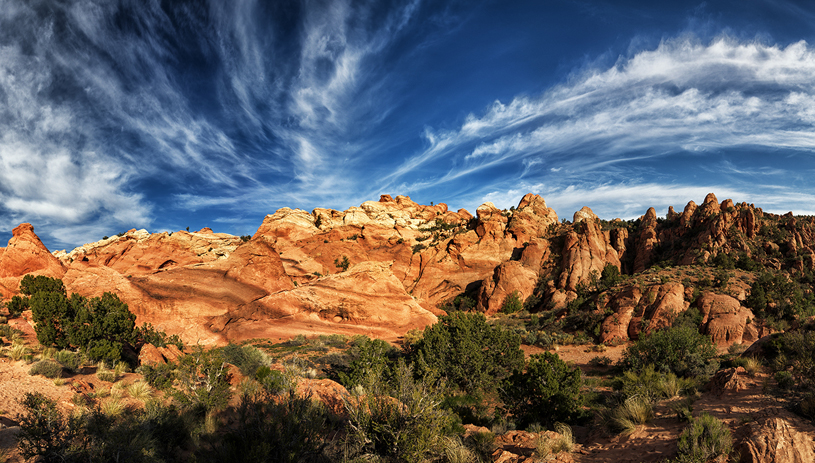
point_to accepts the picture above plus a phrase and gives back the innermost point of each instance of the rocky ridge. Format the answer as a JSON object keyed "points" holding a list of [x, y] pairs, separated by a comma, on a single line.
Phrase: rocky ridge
{"points": [[391, 265]]}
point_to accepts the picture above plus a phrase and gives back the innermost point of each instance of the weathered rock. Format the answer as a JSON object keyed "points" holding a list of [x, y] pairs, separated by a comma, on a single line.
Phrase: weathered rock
{"points": [[586, 251], [508, 277], [635, 311], [329, 392], [725, 320], [138, 252], [728, 379], [778, 439]]}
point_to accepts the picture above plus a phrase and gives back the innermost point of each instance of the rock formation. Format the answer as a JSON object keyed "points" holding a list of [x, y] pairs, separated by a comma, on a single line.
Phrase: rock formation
{"points": [[386, 266]]}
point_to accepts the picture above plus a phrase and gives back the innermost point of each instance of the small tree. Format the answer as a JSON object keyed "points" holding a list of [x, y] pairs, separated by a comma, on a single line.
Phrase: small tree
{"points": [[547, 392], [512, 303], [681, 350], [469, 352]]}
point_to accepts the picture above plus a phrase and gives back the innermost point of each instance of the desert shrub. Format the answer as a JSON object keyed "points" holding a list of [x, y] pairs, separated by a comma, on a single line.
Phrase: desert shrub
{"points": [[794, 351], [681, 350], [683, 409], [472, 354], [104, 374], [512, 303], [287, 429], [159, 376], [139, 390], [44, 431], [546, 446], [482, 444], [548, 391], [600, 361], [70, 360], [273, 381], [633, 412], [611, 276], [31, 285], [776, 295], [403, 420], [343, 263], [462, 302], [100, 326], [705, 439], [784, 379], [48, 368], [248, 359], [203, 381]]}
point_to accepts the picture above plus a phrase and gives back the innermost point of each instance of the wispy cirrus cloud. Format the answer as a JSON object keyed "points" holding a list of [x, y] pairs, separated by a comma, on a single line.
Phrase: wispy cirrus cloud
{"points": [[682, 96]]}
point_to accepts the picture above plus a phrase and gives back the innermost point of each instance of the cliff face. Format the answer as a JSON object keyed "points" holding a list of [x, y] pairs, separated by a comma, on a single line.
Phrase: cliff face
{"points": [[389, 265]]}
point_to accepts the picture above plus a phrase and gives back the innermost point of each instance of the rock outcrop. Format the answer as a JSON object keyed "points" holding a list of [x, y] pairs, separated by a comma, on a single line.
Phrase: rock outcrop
{"points": [[25, 254], [726, 321]]}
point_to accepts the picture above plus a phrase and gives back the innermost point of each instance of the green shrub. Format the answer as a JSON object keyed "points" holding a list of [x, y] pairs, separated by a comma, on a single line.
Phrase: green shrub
{"points": [[512, 303], [784, 379], [70, 360], [548, 390], [705, 439], [160, 376], [367, 356], [48, 368], [343, 263], [203, 381], [633, 412], [472, 354], [600, 361], [403, 420], [681, 350], [247, 358], [149, 335], [100, 326], [611, 276], [44, 431]]}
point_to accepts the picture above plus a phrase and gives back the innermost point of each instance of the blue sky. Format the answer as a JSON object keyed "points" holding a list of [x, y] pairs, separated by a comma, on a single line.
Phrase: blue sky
{"points": [[166, 115]]}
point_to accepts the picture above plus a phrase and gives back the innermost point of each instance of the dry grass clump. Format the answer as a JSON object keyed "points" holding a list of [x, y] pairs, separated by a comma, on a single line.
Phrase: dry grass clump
{"points": [[113, 407], [140, 390], [635, 411], [547, 445], [457, 452]]}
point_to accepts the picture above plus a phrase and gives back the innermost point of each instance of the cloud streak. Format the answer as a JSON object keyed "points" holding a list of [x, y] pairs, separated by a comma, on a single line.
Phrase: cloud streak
{"points": [[682, 96]]}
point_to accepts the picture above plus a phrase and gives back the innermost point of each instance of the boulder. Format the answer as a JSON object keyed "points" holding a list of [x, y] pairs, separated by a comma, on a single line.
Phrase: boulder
{"points": [[149, 355]]}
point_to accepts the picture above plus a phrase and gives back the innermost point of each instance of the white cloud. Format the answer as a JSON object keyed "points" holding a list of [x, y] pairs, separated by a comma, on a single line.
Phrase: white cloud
{"points": [[683, 95]]}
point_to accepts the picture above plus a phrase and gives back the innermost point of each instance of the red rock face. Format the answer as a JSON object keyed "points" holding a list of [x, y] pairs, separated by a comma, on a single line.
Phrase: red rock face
{"points": [[26, 254]]}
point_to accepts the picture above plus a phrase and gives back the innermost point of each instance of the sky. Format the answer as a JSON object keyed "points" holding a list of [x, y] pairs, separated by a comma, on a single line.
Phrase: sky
{"points": [[166, 115]]}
